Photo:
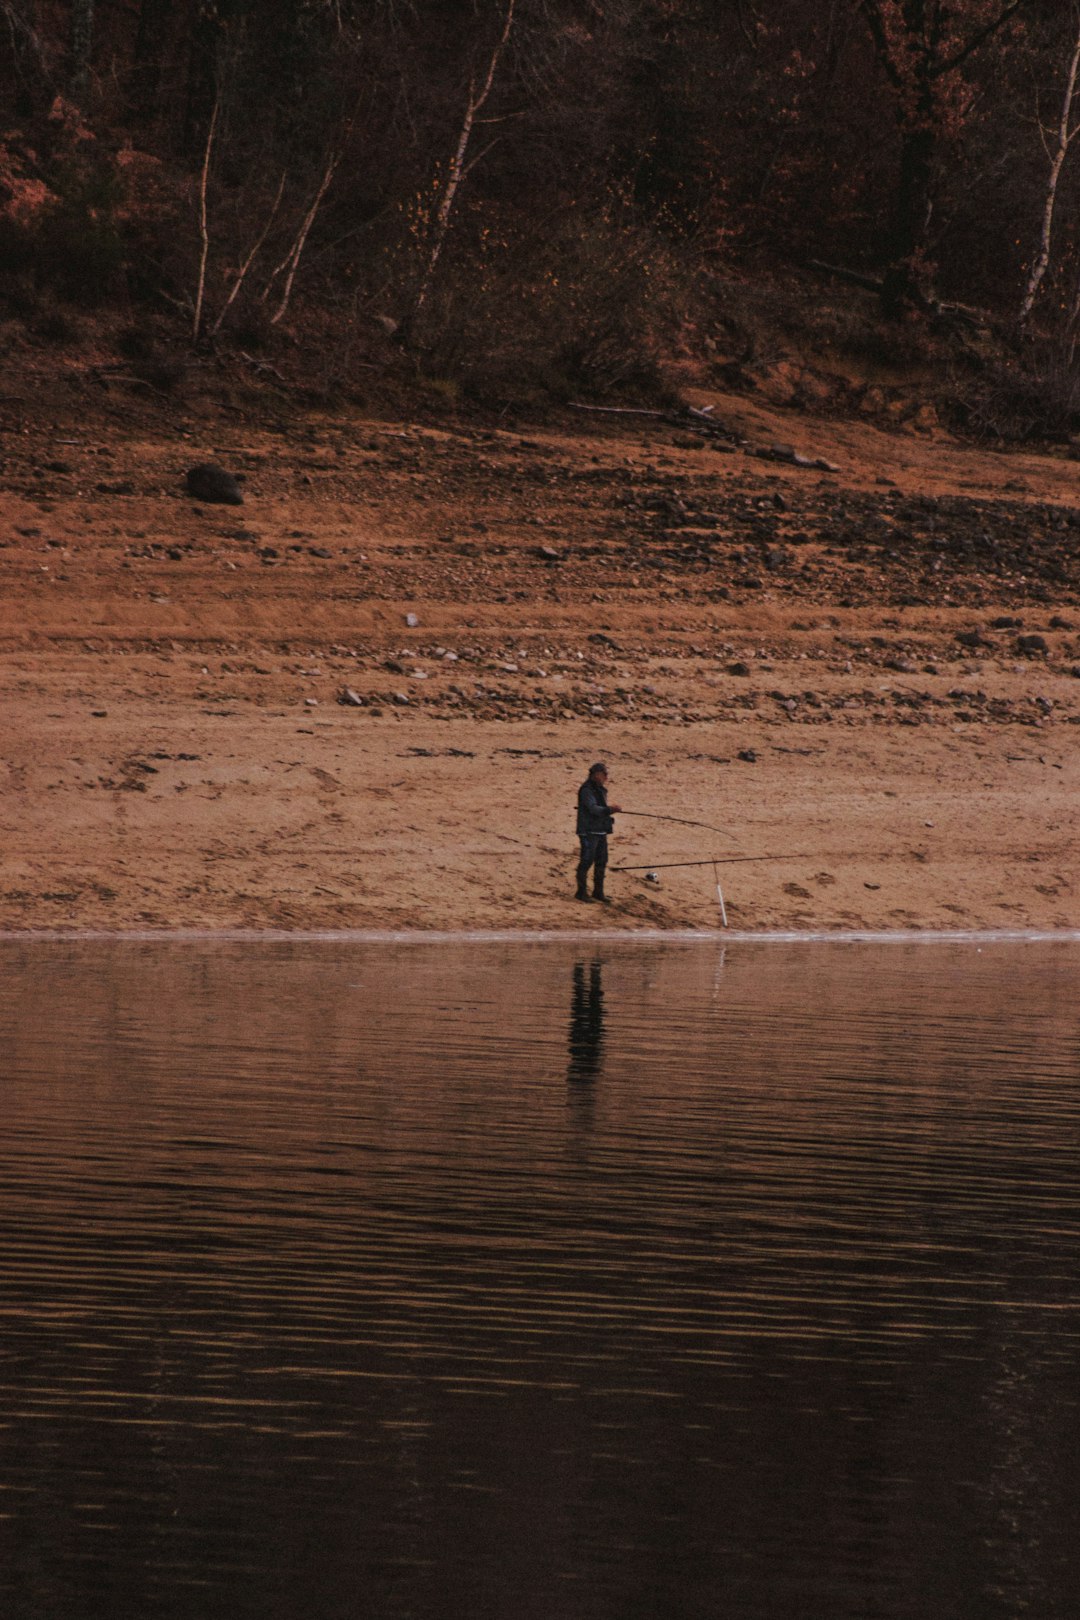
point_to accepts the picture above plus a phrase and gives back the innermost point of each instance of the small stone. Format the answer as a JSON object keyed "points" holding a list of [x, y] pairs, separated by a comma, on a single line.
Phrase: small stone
{"points": [[1032, 644], [738, 668], [311, 703], [350, 699], [411, 621], [748, 755], [402, 698]]}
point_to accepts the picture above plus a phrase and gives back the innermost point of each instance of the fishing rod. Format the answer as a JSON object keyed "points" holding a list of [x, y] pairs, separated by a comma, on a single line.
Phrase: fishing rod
{"points": [[715, 861], [681, 821], [721, 860]]}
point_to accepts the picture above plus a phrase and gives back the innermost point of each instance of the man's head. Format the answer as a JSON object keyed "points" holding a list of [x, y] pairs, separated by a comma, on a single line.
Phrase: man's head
{"points": [[598, 773]]}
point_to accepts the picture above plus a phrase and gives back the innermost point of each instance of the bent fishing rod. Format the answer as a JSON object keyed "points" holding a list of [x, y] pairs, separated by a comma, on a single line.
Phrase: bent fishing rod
{"points": [[681, 821]]}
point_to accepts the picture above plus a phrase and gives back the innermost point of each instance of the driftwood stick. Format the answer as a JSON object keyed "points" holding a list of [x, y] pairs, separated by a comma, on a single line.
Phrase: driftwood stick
{"points": [[617, 410], [855, 277]]}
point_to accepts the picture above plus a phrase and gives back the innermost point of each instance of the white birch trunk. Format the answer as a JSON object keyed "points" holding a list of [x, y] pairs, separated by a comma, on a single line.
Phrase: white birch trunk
{"points": [[1066, 134], [82, 44], [292, 261], [204, 228], [458, 164], [241, 274]]}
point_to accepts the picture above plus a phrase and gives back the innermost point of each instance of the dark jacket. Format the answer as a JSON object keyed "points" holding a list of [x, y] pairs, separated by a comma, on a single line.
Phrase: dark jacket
{"points": [[593, 816]]}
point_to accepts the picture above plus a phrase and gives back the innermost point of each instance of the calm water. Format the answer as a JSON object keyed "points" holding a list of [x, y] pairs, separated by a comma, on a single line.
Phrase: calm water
{"points": [[539, 1280]]}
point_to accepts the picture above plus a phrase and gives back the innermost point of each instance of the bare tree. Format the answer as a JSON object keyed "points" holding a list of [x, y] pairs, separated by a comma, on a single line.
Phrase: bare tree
{"points": [[921, 46], [460, 165], [1067, 132], [253, 252], [82, 44], [204, 229], [291, 262]]}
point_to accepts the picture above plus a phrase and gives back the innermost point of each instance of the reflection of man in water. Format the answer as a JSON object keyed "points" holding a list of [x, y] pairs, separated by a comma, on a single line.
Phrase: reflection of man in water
{"points": [[586, 1024], [593, 825]]}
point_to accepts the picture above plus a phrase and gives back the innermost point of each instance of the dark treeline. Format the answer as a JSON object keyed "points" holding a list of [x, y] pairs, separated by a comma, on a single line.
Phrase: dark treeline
{"points": [[535, 192]]}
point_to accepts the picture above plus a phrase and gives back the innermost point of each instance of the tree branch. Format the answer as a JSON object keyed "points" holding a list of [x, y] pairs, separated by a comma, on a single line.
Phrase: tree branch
{"points": [[959, 57], [250, 260], [871, 10], [297, 249]]}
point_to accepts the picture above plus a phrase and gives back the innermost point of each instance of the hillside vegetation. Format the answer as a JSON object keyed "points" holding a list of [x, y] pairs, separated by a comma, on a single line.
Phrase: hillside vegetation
{"points": [[514, 201]]}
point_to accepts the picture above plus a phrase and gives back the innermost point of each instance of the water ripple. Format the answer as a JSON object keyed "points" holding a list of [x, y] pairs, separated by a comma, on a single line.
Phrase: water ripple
{"points": [[565, 1279]]}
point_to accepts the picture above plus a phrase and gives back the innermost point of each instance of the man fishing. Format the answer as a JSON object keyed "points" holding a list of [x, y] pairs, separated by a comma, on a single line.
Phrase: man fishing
{"points": [[593, 825]]}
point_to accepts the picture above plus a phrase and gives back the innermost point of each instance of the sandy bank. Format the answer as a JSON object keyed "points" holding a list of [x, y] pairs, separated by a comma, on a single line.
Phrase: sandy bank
{"points": [[834, 669]]}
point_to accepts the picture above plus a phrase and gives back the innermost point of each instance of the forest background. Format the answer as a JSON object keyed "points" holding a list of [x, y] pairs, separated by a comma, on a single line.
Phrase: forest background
{"points": [[530, 200]]}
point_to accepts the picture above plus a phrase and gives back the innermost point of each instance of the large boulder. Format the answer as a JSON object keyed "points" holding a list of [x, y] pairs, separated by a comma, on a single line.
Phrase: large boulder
{"points": [[209, 482]]}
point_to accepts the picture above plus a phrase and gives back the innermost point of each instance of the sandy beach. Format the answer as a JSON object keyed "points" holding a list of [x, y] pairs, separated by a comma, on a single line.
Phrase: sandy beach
{"points": [[366, 698]]}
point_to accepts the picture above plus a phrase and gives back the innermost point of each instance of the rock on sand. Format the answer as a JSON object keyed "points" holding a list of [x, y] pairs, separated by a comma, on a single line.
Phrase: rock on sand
{"points": [[209, 482]]}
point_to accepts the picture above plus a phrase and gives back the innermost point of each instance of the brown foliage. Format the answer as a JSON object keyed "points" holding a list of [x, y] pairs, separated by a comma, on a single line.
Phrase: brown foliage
{"points": [[535, 192]]}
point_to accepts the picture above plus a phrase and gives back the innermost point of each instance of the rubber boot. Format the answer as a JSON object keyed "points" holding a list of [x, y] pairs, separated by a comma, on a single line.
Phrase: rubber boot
{"points": [[582, 890], [598, 892]]}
